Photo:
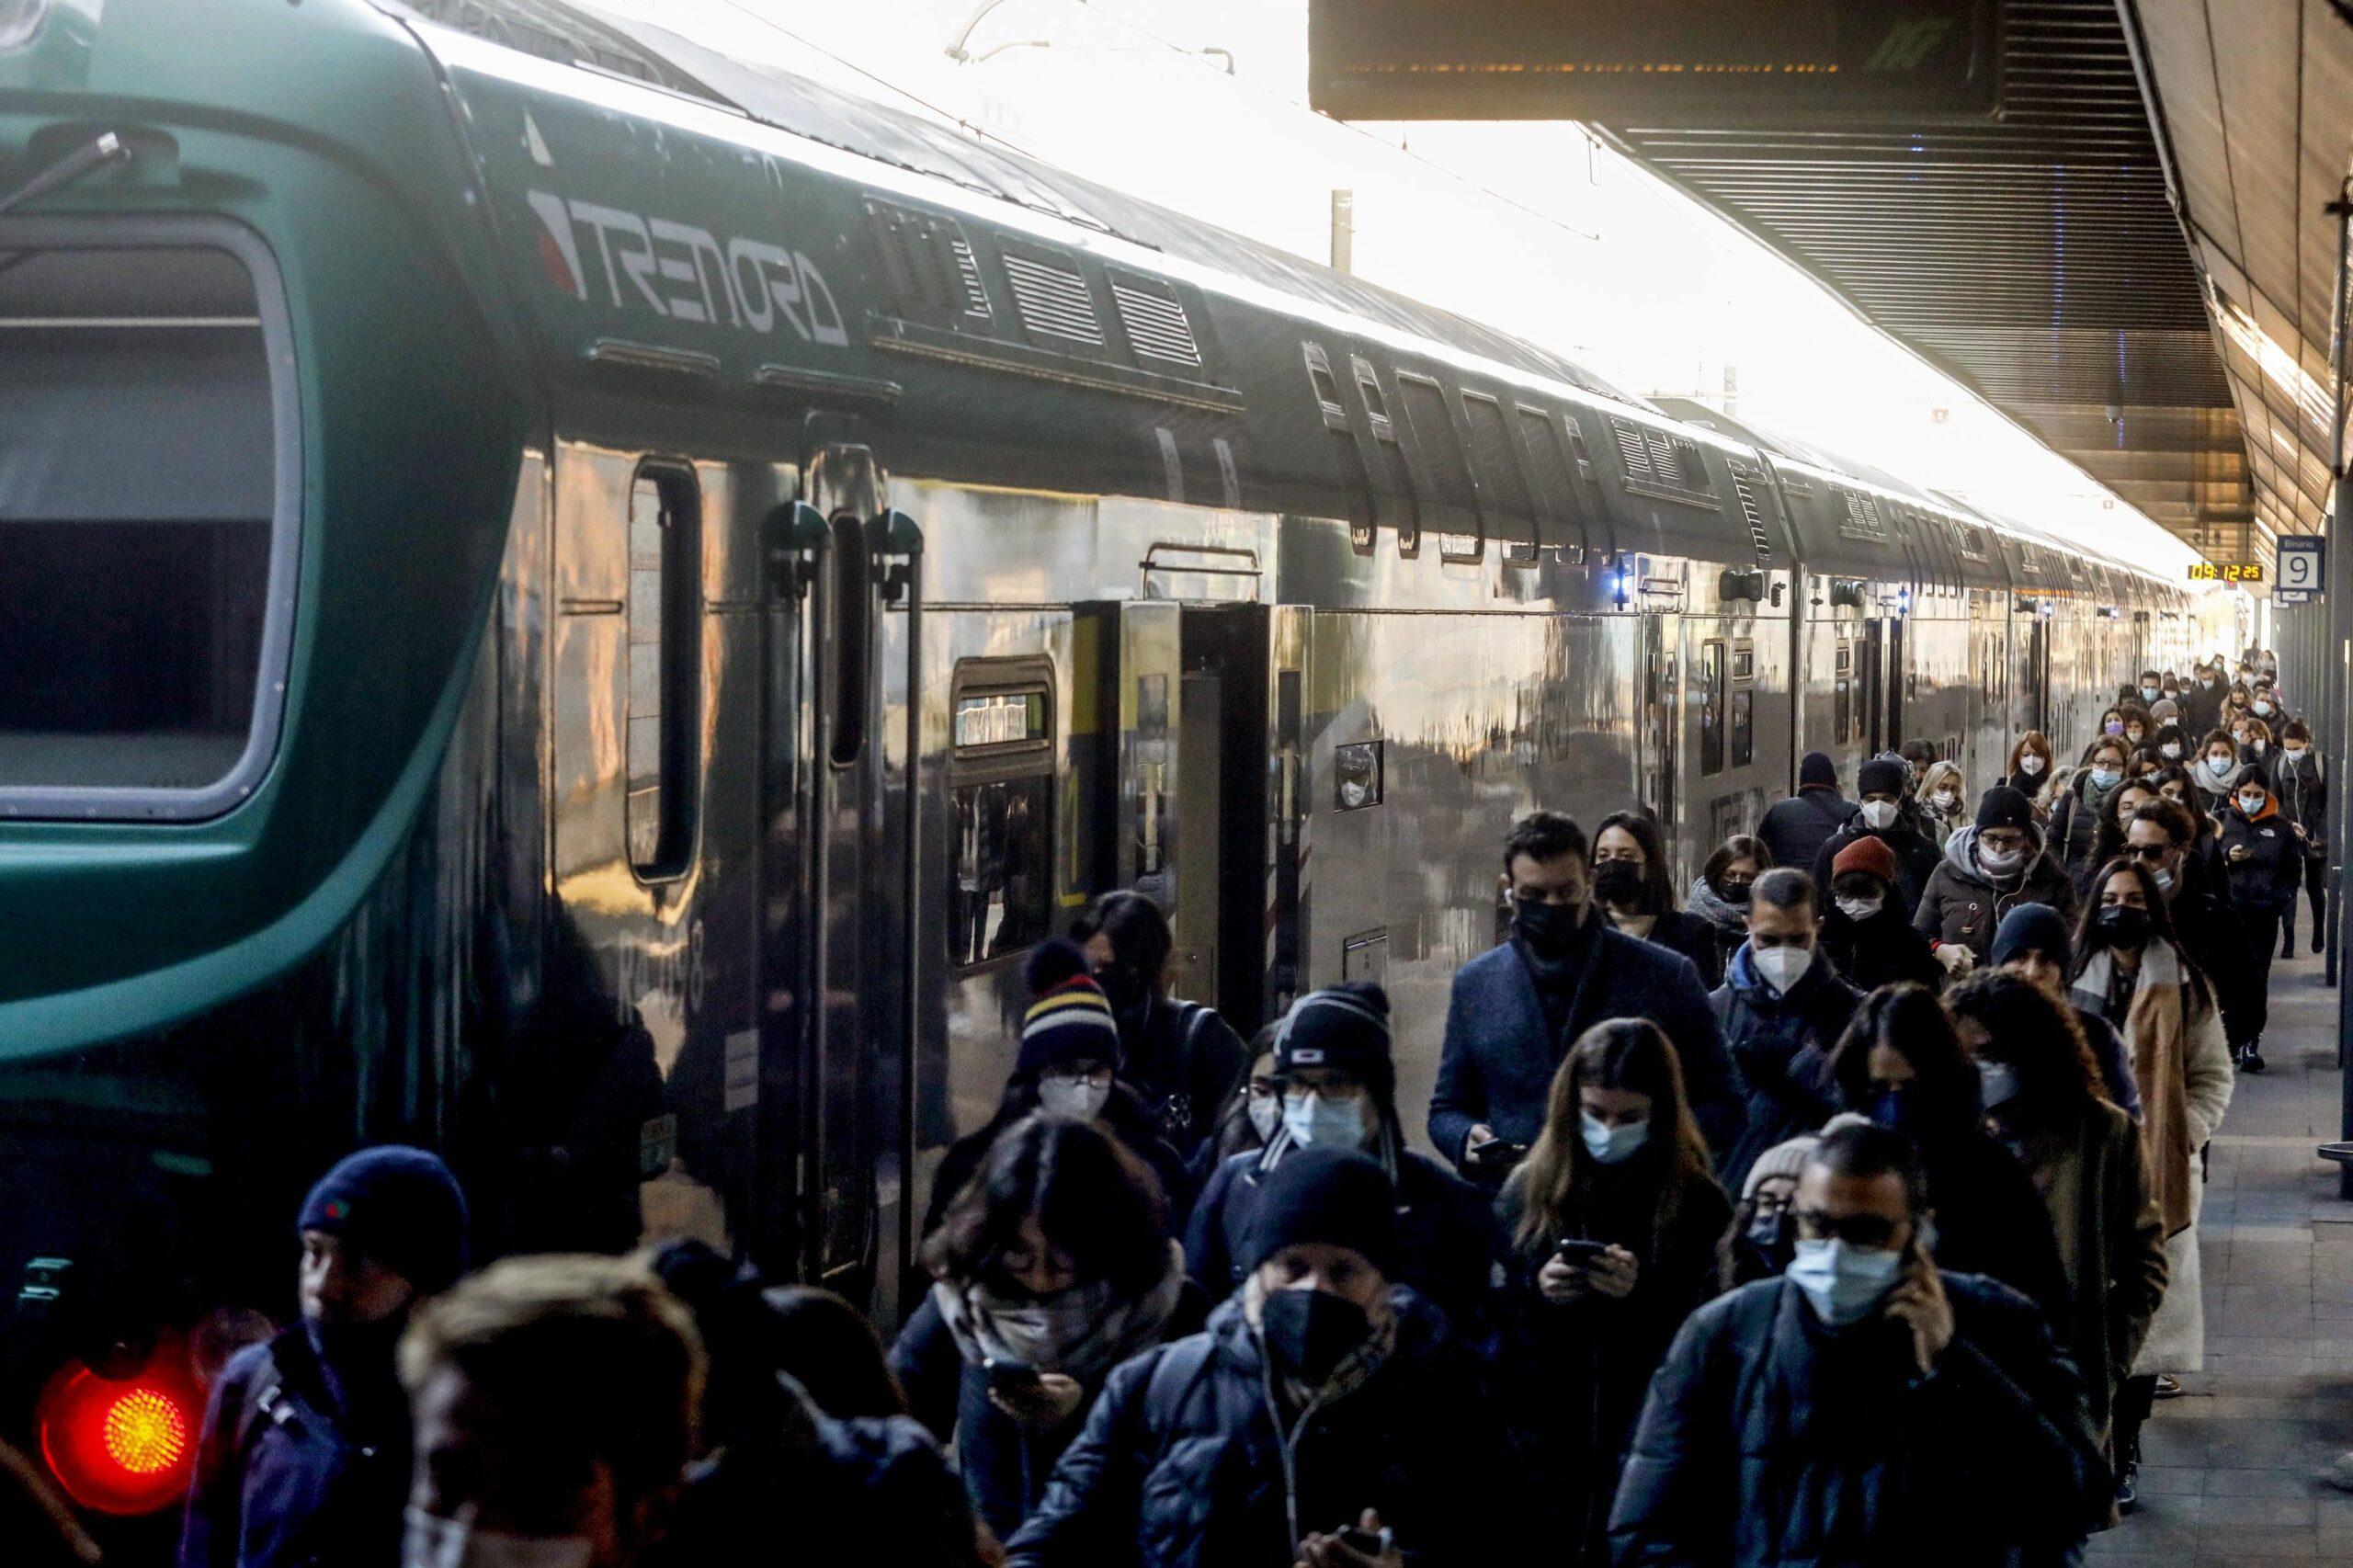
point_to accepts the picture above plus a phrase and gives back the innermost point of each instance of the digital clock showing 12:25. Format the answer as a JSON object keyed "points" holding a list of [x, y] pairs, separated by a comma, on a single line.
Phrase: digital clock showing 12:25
{"points": [[2226, 572]]}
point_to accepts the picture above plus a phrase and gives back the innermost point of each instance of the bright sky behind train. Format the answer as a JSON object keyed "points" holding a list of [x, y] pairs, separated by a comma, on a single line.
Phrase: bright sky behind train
{"points": [[1532, 227]]}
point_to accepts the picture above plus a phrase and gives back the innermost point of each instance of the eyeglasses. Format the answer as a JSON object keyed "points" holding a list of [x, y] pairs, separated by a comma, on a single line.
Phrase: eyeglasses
{"points": [[2149, 854], [1099, 1077]]}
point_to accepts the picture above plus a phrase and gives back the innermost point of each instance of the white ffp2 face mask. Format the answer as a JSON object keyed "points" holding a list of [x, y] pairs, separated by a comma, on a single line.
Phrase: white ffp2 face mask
{"points": [[1781, 968], [1879, 814], [1860, 908], [1075, 1097], [430, 1541], [2030, 765]]}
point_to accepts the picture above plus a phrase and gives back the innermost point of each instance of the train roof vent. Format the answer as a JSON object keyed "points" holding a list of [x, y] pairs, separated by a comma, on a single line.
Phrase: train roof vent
{"points": [[1052, 298], [968, 272], [1862, 519], [1631, 447], [1155, 321], [1753, 512], [1666, 463]]}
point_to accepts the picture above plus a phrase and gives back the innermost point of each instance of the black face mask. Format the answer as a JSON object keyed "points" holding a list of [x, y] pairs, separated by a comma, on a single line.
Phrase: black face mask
{"points": [[1772, 1239], [1737, 894], [1308, 1332], [2124, 927], [1122, 987], [1548, 928], [1893, 1109], [1617, 882]]}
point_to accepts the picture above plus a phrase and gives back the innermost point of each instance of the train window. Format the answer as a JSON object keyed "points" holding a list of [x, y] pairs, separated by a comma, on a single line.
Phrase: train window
{"points": [[1842, 704], [851, 639], [150, 513], [1001, 795], [665, 668], [1744, 704], [1356, 775], [1713, 675], [1393, 458], [1442, 459], [1497, 467]]}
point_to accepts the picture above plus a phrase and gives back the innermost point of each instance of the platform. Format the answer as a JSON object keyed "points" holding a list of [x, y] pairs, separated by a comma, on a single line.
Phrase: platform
{"points": [[2233, 1466]]}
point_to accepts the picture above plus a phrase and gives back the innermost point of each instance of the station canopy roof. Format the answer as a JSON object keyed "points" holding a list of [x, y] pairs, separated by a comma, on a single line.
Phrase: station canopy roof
{"points": [[2036, 256]]}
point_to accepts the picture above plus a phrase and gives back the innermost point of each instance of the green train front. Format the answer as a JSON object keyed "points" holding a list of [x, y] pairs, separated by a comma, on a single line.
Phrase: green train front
{"points": [[260, 434]]}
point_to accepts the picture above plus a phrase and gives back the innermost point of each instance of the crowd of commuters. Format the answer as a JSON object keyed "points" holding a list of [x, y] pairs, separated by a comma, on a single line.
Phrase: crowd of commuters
{"points": [[1844, 1210]]}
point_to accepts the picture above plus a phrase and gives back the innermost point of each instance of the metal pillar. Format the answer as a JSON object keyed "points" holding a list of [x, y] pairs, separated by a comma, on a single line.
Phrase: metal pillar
{"points": [[2338, 616]]}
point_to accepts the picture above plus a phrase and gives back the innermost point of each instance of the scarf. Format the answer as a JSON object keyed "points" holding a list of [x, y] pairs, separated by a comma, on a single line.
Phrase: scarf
{"points": [[1718, 911], [2156, 1031], [1082, 1333]]}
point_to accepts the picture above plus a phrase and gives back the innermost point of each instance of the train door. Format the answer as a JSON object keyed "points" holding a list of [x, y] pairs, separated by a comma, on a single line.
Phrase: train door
{"points": [[833, 924], [1201, 711], [1898, 671], [1662, 710], [2038, 675], [1873, 684]]}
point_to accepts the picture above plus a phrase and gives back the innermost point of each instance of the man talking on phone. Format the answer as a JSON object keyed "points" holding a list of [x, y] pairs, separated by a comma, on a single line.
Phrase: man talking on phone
{"points": [[1315, 1423], [1864, 1408]]}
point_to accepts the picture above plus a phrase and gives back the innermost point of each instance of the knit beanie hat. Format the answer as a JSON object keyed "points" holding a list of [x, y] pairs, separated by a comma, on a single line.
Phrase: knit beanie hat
{"points": [[1867, 853], [1336, 1196], [2164, 710], [1816, 768], [399, 1205], [1345, 1028], [2004, 807], [1879, 775], [1780, 1160], [2031, 928], [1070, 1019]]}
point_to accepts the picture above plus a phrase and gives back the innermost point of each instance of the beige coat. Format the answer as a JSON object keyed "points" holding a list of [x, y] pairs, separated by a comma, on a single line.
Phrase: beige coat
{"points": [[2176, 1341]]}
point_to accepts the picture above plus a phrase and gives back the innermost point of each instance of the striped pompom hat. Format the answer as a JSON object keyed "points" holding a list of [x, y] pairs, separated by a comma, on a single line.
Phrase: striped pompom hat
{"points": [[1070, 1019]]}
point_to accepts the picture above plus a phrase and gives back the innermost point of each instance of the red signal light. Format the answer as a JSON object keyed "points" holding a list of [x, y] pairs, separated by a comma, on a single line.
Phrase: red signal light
{"points": [[121, 1445]]}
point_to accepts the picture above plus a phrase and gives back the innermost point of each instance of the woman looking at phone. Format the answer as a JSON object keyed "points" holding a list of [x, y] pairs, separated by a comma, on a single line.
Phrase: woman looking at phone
{"points": [[1613, 1220], [1054, 1264]]}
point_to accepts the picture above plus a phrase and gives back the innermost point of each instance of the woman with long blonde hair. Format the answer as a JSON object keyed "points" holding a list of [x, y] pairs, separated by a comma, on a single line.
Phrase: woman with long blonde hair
{"points": [[1613, 1220]]}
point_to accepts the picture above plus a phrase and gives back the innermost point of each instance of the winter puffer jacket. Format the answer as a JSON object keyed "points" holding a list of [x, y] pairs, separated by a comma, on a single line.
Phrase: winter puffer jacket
{"points": [[1770, 1442], [1447, 1236], [1963, 906], [1183, 1463], [1781, 1045], [2267, 878]]}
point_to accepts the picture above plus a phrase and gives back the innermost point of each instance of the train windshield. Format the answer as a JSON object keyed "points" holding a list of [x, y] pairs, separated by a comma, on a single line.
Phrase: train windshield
{"points": [[140, 497]]}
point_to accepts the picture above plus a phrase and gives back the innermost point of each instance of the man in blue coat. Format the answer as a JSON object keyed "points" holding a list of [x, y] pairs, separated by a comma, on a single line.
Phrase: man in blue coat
{"points": [[1517, 1009], [1865, 1407], [304, 1456]]}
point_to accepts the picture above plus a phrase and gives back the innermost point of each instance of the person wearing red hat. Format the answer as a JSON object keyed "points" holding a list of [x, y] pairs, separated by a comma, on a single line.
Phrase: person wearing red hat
{"points": [[1884, 785], [1865, 930]]}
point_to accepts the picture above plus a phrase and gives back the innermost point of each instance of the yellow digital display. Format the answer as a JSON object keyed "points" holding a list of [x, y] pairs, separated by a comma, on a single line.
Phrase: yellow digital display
{"points": [[1701, 62], [2226, 572]]}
